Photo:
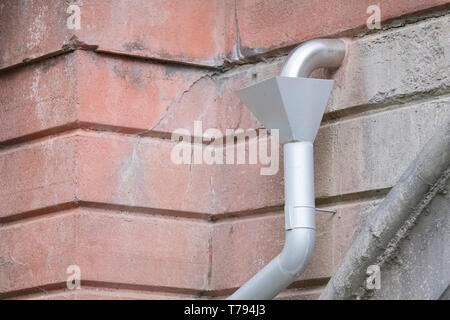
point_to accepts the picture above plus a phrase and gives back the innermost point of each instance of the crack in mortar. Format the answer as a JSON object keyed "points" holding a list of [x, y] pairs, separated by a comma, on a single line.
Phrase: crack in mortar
{"points": [[435, 189], [177, 100]]}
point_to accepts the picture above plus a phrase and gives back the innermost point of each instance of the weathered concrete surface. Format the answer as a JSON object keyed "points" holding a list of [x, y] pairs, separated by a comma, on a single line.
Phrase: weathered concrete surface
{"points": [[445, 295], [395, 66], [419, 267], [407, 235]]}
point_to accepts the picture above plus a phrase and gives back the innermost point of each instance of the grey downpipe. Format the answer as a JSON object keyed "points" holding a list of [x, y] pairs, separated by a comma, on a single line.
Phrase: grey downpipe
{"points": [[299, 186]]}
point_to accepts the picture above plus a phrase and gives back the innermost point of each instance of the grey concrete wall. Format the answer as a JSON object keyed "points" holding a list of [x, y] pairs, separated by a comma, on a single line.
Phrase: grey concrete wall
{"points": [[406, 239], [420, 267]]}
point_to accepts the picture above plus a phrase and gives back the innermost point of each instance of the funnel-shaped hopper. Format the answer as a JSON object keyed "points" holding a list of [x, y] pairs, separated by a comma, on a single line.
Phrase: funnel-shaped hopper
{"points": [[295, 106]]}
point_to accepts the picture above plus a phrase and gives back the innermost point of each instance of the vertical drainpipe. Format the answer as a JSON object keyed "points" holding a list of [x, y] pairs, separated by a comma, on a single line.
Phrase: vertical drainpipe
{"points": [[298, 185]]}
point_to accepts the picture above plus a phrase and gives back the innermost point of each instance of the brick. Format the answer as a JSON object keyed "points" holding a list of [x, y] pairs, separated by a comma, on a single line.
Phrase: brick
{"points": [[31, 29], [38, 253], [117, 93], [104, 168], [144, 250], [243, 188], [84, 87], [121, 92], [269, 25], [37, 176], [108, 246], [198, 102], [139, 173], [245, 246], [38, 97], [189, 32], [358, 155], [174, 30]]}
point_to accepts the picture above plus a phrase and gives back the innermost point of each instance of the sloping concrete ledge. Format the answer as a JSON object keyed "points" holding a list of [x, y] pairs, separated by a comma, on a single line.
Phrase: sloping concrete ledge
{"points": [[411, 223]]}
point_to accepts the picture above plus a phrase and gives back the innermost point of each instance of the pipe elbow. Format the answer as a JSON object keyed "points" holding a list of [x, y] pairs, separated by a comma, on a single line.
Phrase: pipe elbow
{"points": [[313, 54], [282, 270], [297, 251]]}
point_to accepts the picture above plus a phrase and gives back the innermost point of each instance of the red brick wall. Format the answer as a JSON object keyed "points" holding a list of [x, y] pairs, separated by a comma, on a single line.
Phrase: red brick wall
{"points": [[86, 117]]}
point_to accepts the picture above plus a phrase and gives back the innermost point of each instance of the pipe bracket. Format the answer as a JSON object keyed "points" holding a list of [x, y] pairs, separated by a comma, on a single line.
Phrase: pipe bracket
{"points": [[332, 211]]}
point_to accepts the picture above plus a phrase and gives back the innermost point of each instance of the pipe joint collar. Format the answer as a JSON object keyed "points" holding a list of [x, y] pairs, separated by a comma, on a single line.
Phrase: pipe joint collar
{"points": [[300, 217]]}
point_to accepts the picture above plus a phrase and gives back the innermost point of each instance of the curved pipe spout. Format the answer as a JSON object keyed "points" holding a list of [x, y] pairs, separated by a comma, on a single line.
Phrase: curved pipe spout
{"points": [[299, 185], [314, 54]]}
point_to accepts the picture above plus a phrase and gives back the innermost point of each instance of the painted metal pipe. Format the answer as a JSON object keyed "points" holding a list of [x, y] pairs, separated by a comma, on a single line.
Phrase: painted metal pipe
{"points": [[299, 186], [314, 54], [300, 228]]}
